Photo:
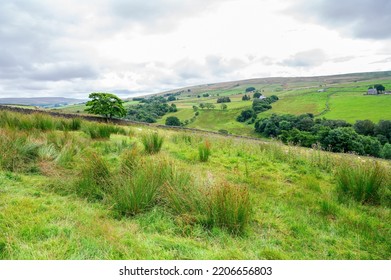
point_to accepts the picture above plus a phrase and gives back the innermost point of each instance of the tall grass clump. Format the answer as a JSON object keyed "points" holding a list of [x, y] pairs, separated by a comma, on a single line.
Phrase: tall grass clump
{"points": [[102, 131], [94, 178], [204, 151], [229, 207], [17, 151], [366, 182], [152, 142], [44, 122], [184, 197], [129, 159], [137, 190]]}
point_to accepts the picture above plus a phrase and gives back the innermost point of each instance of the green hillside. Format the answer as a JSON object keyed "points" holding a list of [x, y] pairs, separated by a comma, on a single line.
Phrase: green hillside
{"points": [[71, 189], [343, 98]]}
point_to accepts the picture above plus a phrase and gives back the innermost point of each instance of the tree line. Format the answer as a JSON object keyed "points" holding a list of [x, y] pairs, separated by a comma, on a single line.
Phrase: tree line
{"points": [[362, 138]]}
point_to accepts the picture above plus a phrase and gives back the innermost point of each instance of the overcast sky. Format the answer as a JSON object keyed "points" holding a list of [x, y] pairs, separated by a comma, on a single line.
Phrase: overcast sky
{"points": [[70, 48]]}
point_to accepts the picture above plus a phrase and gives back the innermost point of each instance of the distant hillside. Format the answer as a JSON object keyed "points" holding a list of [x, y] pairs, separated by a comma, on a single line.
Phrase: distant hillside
{"points": [[284, 82], [41, 101]]}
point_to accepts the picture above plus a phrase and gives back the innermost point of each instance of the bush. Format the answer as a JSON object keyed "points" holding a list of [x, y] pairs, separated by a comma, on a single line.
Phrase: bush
{"points": [[229, 208], [152, 142], [249, 89], [246, 97], [224, 99], [365, 182], [204, 151], [246, 115], [173, 121], [386, 151]]}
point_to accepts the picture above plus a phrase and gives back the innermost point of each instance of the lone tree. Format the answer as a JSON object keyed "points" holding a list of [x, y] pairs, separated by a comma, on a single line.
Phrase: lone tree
{"points": [[173, 121], [105, 104]]}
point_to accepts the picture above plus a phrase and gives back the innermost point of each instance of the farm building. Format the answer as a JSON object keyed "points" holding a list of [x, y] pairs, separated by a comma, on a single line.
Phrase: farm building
{"points": [[322, 90], [372, 91], [262, 97]]}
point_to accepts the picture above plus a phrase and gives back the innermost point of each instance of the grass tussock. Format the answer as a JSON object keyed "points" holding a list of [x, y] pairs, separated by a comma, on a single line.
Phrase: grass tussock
{"points": [[94, 178], [366, 182], [17, 151], [137, 186], [102, 131], [152, 142], [229, 207], [204, 151]]}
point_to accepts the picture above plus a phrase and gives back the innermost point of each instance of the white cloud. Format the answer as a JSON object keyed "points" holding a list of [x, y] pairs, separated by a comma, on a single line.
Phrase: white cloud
{"points": [[57, 48]]}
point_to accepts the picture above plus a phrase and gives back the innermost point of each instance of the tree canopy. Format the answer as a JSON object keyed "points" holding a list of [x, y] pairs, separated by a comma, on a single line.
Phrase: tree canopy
{"points": [[105, 104], [173, 121]]}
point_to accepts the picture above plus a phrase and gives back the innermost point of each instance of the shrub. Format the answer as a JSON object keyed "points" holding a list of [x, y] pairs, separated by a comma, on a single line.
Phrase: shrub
{"points": [[386, 151], [152, 142], [173, 121], [365, 182], [223, 99], [229, 208], [204, 151]]}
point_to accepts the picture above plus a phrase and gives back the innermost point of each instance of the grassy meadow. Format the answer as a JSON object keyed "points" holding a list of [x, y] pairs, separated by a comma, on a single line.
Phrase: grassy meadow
{"points": [[342, 99], [71, 189]]}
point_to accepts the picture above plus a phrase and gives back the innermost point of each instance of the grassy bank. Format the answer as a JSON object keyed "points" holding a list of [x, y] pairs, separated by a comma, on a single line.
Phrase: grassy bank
{"points": [[72, 196]]}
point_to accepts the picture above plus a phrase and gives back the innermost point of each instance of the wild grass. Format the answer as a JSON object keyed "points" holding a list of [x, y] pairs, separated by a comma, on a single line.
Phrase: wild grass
{"points": [[17, 151], [366, 182], [136, 188], [94, 179], [252, 201], [229, 208], [129, 159], [38, 121], [152, 142], [204, 151], [102, 131]]}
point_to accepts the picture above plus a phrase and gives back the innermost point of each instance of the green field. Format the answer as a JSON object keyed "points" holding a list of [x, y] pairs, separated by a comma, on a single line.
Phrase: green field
{"points": [[295, 212], [342, 99]]}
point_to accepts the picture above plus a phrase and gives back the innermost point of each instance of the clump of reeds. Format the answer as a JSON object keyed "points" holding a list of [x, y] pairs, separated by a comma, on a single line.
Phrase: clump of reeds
{"points": [[204, 151], [152, 142], [364, 181]]}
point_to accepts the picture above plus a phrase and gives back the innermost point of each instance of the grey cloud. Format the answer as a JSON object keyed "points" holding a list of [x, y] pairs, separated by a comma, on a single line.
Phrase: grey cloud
{"points": [[159, 14], [63, 71], [386, 60], [369, 19], [309, 58], [343, 59]]}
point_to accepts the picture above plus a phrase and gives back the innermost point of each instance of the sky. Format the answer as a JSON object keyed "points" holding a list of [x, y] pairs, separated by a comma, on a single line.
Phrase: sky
{"points": [[71, 48]]}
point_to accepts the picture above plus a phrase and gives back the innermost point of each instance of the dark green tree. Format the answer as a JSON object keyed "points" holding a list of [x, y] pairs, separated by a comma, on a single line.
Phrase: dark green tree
{"points": [[380, 88], [171, 98], [250, 89], [246, 97], [105, 104], [173, 121], [365, 127], [257, 94]]}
